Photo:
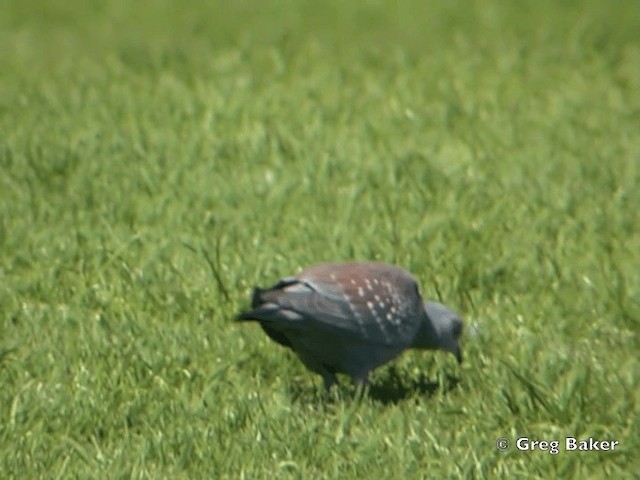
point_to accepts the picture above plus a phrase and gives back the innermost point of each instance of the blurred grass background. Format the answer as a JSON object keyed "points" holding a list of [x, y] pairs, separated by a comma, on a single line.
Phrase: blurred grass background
{"points": [[158, 159]]}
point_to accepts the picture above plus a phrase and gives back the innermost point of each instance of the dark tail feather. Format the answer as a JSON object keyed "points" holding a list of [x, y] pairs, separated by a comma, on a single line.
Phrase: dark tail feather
{"points": [[246, 317], [256, 298], [256, 302], [260, 297], [257, 314]]}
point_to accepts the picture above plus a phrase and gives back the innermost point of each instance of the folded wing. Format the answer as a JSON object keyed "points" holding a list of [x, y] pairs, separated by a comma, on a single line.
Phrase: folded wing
{"points": [[369, 306]]}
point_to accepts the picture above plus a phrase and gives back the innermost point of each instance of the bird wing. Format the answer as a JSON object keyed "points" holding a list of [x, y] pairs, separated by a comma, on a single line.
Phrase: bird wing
{"points": [[367, 305]]}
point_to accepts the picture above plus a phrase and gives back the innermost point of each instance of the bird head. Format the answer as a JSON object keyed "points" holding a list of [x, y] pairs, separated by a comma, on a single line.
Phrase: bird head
{"points": [[441, 329]]}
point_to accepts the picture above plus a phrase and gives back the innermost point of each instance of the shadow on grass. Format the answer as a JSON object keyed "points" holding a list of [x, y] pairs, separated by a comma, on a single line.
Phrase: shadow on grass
{"points": [[392, 388]]}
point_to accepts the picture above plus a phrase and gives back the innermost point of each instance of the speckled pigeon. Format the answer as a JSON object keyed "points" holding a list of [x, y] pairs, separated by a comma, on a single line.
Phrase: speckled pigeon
{"points": [[352, 317]]}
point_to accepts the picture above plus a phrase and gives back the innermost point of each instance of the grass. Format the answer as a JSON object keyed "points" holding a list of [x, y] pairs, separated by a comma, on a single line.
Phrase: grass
{"points": [[159, 159]]}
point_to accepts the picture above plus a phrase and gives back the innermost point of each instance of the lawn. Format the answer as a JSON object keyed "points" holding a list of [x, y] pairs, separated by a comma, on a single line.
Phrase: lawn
{"points": [[159, 159]]}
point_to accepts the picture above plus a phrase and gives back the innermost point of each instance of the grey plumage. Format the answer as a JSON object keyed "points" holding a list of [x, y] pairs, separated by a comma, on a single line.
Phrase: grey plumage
{"points": [[352, 317]]}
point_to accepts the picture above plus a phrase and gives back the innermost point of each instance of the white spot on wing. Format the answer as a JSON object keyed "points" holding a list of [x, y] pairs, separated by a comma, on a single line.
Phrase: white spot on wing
{"points": [[368, 284], [355, 314], [385, 334]]}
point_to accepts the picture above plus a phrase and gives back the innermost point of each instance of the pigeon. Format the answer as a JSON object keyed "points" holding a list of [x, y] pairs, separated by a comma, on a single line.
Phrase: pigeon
{"points": [[352, 317]]}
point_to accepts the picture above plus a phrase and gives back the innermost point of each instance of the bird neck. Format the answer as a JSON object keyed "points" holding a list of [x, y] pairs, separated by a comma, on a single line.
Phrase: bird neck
{"points": [[428, 335]]}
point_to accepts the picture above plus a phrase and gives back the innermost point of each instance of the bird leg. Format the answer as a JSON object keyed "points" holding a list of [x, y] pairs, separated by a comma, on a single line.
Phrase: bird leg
{"points": [[329, 380], [361, 380]]}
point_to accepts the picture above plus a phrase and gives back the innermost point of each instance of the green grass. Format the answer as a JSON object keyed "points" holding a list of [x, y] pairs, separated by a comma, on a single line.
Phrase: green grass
{"points": [[157, 161]]}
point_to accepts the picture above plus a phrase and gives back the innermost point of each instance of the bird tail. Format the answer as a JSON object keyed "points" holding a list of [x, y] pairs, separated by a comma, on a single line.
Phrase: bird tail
{"points": [[256, 297], [246, 317], [266, 312], [264, 302], [256, 301]]}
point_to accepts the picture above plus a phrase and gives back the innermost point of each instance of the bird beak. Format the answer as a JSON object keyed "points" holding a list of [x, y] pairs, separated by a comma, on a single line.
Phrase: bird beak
{"points": [[458, 354]]}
